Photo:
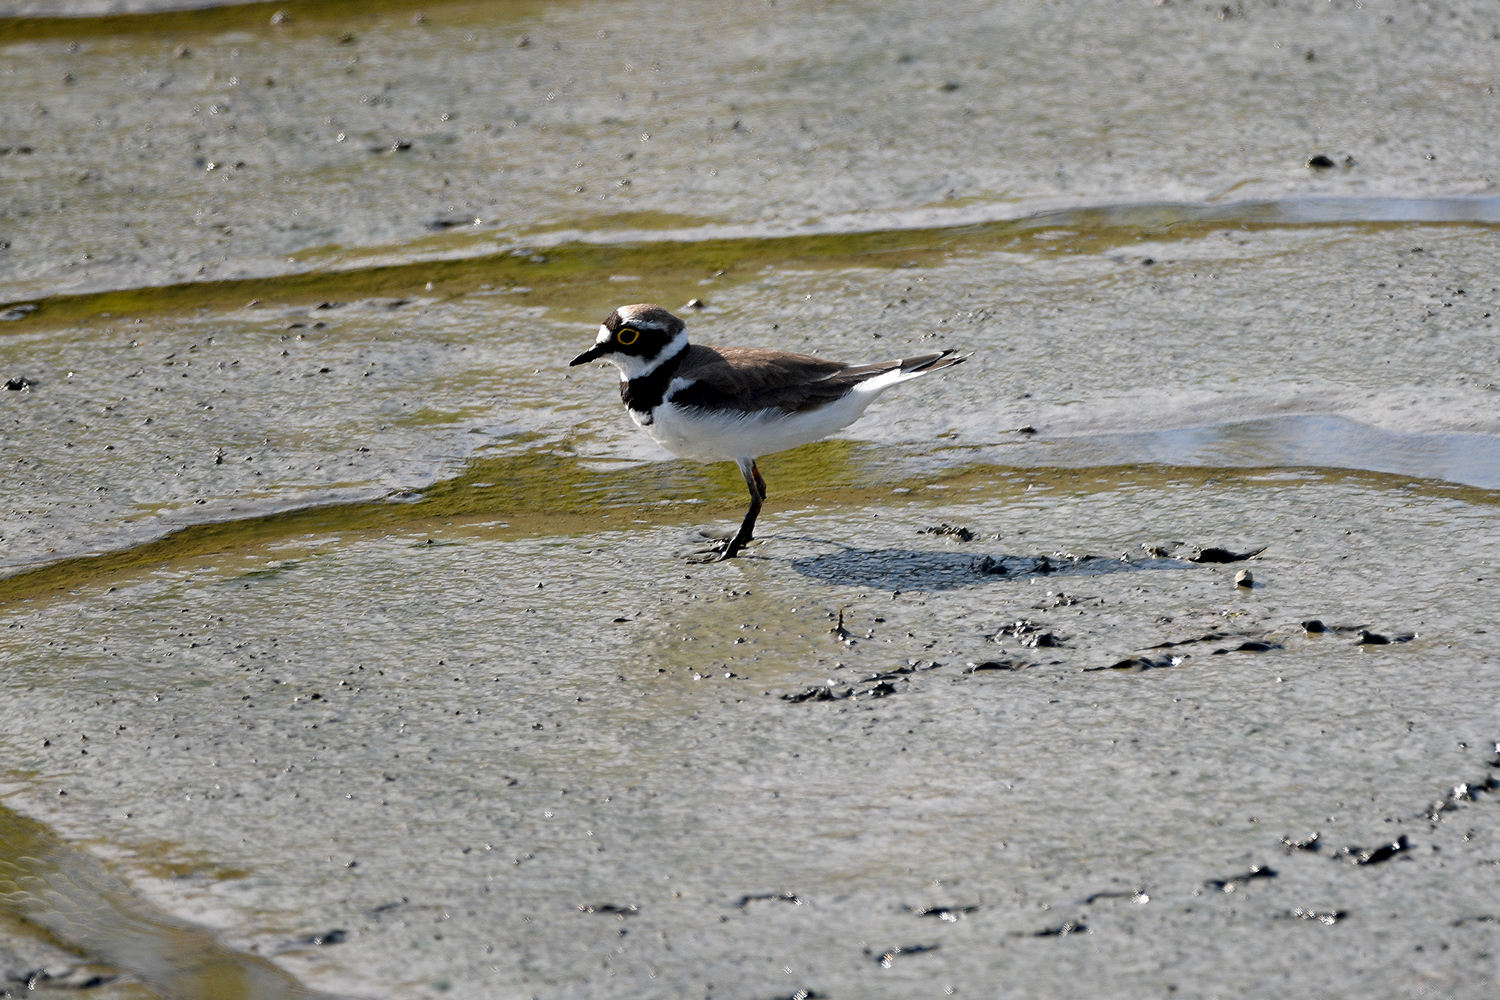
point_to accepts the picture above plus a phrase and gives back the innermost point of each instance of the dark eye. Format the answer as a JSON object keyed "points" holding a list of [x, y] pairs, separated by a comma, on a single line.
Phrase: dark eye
{"points": [[627, 335]]}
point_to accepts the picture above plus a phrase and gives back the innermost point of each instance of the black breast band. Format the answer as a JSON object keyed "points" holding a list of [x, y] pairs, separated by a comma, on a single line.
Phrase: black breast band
{"points": [[644, 394]]}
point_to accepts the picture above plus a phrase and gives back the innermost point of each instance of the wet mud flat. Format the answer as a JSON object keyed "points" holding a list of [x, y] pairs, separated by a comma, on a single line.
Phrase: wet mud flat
{"points": [[347, 642], [466, 764]]}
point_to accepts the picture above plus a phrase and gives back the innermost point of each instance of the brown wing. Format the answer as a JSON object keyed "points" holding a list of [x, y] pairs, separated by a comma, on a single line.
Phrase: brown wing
{"points": [[746, 379]]}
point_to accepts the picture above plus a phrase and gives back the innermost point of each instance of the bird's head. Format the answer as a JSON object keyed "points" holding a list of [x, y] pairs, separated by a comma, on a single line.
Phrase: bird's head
{"points": [[635, 339]]}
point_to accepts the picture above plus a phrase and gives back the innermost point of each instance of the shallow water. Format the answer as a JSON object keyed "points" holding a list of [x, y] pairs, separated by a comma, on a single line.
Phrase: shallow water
{"points": [[349, 643]]}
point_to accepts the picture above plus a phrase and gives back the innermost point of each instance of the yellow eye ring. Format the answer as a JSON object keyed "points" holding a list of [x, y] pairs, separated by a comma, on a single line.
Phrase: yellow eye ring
{"points": [[627, 335]]}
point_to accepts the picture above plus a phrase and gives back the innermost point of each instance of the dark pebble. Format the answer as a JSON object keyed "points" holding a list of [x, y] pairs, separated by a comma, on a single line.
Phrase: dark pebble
{"points": [[1319, 162], [1313, 627], [18, 383], [1367, 638]]}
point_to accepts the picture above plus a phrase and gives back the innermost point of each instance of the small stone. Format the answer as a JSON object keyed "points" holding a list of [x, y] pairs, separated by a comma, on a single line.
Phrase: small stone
{"points": [[281, 16], [1244, 578], [694, 304], [182, 52], [1314, 626], [1320, 162]]}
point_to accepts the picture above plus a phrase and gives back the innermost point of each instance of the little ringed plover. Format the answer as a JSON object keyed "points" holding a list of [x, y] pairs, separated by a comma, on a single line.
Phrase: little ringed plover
{"points": [[734, 404]]}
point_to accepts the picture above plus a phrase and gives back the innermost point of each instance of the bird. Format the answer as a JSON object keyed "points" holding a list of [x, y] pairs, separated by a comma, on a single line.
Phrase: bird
{"points": [[735, 404]]}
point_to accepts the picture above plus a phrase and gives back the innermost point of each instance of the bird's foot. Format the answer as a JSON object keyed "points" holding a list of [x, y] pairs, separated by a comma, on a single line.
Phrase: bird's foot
{"points": [[720, 550]]}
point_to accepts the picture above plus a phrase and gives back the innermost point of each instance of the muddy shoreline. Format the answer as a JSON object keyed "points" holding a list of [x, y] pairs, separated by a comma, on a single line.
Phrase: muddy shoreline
{"points": [[350, 646]]}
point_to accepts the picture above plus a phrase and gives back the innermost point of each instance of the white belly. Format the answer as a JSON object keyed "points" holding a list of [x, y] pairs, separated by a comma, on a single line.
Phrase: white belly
{"points": [[722, 437]]}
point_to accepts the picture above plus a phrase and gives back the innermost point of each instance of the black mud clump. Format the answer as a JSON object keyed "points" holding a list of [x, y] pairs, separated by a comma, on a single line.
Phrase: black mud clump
{"points": [[879, 685], [1253, 646], [1368, 638], [1060, 930], [1466, 791], [779, 897], [335, 936], [1326, 917], [950, 531], [886, 957], [620, 910], [1233, 883], [1315, 626], [1144, 663], [1044, 640], [1218, 555], [976, 668], [1160, 550], [1308, 843], [951, 914], [819, 693], [1136, 895], [1375, 855]]}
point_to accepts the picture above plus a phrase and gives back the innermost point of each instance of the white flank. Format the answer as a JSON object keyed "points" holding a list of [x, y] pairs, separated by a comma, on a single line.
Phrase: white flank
{"points": [[710, 436]]}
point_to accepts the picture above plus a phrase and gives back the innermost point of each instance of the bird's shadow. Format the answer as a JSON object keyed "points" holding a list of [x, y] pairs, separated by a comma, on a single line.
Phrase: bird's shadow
{"points": [[912, 569]]}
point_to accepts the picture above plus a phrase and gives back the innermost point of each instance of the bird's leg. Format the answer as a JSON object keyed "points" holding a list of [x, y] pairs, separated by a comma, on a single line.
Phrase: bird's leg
{"points": [[757, 487]]}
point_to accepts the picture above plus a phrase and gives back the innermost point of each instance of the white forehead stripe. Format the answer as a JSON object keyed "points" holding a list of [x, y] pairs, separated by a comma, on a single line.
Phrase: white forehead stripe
{"points": [[603, 334]]}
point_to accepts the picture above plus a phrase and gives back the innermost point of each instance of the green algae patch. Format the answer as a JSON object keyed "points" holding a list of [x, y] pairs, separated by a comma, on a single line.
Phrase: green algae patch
{"points": [[551, 494], [573, 278], [428, 417], [47, 883], [536, 493], [297, 17]]}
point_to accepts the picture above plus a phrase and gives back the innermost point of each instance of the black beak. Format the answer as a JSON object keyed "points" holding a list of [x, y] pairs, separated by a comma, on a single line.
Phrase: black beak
{"points": [[587, 356]]}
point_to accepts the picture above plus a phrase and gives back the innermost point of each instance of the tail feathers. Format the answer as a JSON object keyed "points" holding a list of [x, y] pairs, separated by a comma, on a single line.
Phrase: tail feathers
{"points": [[900, 371], [924, 363]]}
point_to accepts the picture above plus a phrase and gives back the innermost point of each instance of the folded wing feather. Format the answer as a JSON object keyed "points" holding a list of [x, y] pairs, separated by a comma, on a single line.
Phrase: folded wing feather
{"points": [[746, 379]]}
